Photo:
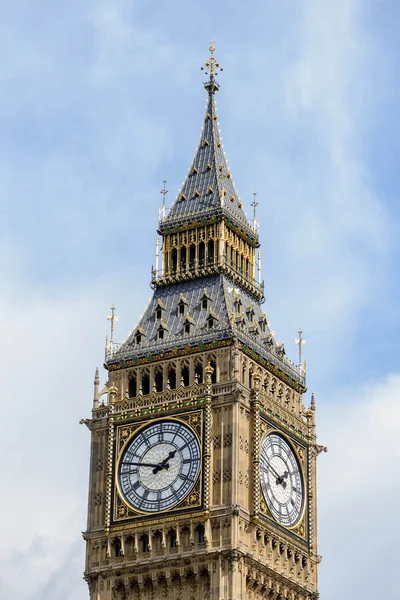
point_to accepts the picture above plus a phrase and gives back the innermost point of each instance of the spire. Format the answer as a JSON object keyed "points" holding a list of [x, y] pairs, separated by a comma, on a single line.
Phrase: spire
{"points": [[211, 68], [208, 190]]}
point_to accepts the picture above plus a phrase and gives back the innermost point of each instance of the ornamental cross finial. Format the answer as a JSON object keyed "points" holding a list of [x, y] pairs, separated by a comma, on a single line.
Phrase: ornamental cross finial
{"points": [[164, 191], [113, 318], [254, 204], [211, 66], [300, 342]]}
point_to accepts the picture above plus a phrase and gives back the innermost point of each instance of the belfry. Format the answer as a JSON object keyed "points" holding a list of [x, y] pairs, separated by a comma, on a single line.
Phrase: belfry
{"points": [[202, 480]]}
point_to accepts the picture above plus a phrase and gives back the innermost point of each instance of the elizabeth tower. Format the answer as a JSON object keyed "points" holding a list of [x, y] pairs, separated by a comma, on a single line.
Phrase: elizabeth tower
{"points": [[202, 478]]}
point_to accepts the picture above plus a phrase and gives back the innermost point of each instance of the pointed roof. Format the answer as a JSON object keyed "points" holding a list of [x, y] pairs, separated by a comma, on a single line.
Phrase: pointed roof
{"points": [[253, 333], [208, 189]]}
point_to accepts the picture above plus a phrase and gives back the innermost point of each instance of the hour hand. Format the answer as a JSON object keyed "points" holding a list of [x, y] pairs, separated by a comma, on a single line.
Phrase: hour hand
{"points": [[170, 455], [164, 463]]}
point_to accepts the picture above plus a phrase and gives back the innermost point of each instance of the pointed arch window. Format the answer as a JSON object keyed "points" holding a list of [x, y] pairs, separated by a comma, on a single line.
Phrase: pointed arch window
{"points": [[205, 300], [211, 320], [238, 306], [162, 329], [200, 534], [139, 335], [145, 543], [263, 323], [198, 372], [159, 310], [182, 306], [250, 314], [172, 538], [188, 326], [132, 387]]}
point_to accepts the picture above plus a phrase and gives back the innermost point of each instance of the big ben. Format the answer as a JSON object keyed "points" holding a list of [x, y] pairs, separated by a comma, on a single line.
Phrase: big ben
{"points": [[202, 480]]}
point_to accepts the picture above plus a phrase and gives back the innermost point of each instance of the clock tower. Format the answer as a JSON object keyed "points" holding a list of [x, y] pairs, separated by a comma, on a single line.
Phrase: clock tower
{"points": [[202, 480]]}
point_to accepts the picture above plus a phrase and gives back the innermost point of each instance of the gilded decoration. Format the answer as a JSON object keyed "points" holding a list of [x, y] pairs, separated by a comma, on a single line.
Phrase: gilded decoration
{"points": [[300, 451], [173, 353], [230, 383], [124, 433]]}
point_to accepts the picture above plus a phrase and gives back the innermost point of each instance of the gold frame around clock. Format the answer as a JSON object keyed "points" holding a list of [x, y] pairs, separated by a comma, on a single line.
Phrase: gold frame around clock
{"points": [[122, 510], [300, 460]]}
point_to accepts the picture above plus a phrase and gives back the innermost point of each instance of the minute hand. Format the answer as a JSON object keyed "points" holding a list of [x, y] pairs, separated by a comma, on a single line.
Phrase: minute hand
{"points": [[142, 464], [272, 469]]}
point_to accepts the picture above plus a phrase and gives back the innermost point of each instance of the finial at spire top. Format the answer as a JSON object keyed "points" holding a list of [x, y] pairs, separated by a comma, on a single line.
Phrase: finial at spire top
{"points": [[211, 68]]}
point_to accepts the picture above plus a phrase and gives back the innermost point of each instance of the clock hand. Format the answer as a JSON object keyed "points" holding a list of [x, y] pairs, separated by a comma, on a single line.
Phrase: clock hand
{"points": [[170, 455], [142, 464], [280, 479], [273, 470], [164, 463]]}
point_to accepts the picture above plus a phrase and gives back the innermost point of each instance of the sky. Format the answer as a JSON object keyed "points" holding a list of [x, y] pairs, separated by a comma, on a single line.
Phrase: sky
{"points": [[102, 100]]}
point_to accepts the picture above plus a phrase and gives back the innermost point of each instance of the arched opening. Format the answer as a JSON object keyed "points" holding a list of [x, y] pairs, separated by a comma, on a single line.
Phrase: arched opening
{"points": [[198, 371], [214, 373], [172, 538], [132, 387], [158, 380], [200, 534], [172, 378], [157, 541], [181, 308], [145, 542], [192, 255], [183, 258], [250, 379], [174, 259], [247, 268], [145, 384], [210, 259], [201, 254], [185, 375], [117, 548]]}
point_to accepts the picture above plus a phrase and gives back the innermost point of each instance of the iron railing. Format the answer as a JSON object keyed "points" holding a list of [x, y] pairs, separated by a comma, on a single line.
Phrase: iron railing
{"points": [[208, 266], [165, 220], [120, 353]]}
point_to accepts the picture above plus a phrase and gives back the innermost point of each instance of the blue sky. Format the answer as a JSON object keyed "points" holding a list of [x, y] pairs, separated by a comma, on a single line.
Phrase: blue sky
{"points": [[102, 100]]}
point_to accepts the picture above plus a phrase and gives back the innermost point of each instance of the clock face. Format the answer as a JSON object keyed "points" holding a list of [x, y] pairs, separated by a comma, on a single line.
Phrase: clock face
{"points": [[159, 466], [281, 480]]}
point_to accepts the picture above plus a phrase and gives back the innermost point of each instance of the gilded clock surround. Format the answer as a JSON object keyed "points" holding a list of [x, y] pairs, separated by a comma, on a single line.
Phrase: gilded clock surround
{"points": [[300, 451], [122, 511], [232, 384]]}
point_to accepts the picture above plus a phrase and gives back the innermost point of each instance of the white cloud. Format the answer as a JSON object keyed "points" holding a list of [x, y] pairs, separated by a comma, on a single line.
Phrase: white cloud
{"points": [[324, 230], [359, 487], [92, 111]]}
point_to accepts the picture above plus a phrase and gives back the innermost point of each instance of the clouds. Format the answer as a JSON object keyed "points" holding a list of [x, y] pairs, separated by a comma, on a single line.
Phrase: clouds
{"points": [[100, 102], [358, 490], [328, 233]]}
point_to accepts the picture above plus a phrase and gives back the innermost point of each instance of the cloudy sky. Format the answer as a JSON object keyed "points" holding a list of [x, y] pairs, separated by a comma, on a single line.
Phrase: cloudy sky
{"points": [[103, 99]]}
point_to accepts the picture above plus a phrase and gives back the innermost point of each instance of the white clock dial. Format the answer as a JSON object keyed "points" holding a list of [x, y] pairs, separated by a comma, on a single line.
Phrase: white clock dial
{"points": [[159, 466], [281, 480]]}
